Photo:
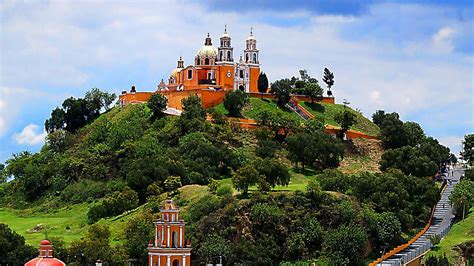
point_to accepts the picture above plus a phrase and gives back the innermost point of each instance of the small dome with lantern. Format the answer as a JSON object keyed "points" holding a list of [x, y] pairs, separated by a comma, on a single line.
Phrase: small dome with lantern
{"points": [[207, 50], [45, 257]]}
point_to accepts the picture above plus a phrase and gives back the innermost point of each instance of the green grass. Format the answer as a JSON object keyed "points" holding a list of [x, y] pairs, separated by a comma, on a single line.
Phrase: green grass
{"points": [[257, 105], [460, 232], [326, 112], [321, 111], [21, 221]]}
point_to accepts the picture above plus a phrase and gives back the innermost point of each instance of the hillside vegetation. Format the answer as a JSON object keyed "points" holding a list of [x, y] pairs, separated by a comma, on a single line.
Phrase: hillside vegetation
{"points": [[323, 112], [260, 196]]}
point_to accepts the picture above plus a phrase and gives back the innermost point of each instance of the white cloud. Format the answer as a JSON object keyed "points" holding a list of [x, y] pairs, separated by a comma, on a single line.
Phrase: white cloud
{"points": [[30, 135], [67, 44], [443, 39], [453, 142]]}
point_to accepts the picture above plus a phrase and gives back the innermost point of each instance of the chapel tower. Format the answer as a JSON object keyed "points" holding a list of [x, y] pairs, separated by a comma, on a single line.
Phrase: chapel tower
{"points": [[169, 247], [225, 50], [251, 51]]}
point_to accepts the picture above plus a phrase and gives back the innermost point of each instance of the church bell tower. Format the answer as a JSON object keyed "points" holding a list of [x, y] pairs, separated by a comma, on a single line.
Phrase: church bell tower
{"points": [[225, 50], [169, 247]]}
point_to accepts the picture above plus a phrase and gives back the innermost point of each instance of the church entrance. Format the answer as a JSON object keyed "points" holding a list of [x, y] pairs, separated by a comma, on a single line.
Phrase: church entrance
{"points": [[241, 87], [175, 262]]}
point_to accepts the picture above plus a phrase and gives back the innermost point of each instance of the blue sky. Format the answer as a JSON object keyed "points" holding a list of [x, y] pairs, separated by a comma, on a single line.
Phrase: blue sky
{"points": [[412, 57]]}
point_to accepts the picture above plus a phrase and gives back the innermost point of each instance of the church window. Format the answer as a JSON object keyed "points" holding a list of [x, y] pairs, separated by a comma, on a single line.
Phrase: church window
{"points": [[254, 58], [228, 55], [206, 61], [190, 73], [246, 58], [175, 262], [220, 56], [209, 75], [241, 74], [175, 239]]}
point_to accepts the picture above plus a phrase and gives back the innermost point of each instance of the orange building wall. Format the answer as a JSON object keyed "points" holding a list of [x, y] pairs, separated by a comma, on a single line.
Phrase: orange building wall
{"points": [[254, 73], [212, 98], [222, 79], [135, 97]]}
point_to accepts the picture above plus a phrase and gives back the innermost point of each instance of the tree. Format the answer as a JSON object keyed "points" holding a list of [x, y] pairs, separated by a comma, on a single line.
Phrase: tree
{"points": [[393, 132], [157, 104], [172, 183], [388, 227], [245, 177], [3, 174], [328, 78], [346, 119], [378, 117], [94, 246], [315, 149], [462, 198], [262, 83], [313, 90], [138, 232], [192, 108], [281, 89], [414, 133], [467, 152], [273, 171], [410, 160], [234, 101], [14, 251], [346, 244], [98, 99]]}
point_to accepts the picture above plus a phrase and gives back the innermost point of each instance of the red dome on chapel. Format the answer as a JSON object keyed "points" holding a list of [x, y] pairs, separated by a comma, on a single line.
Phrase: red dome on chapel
{"points": [[45, 257]]}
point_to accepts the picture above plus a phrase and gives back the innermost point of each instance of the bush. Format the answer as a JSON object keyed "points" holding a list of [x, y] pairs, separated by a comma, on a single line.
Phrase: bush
{"points": [[234, 102], [118, 203], [224, 190]]}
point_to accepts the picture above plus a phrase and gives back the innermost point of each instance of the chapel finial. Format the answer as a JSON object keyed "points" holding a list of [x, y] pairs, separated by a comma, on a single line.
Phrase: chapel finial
{"points": [[225, 28], [251, 30]]}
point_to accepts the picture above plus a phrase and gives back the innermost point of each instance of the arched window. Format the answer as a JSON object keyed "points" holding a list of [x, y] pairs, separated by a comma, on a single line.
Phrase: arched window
{"points": [[209, 75], [254, 58], [220, 56], [197, 60], [175, 262], [206, 61], [241, 87], [174, 239], [190, 73], [246, 58], [228, 56]]}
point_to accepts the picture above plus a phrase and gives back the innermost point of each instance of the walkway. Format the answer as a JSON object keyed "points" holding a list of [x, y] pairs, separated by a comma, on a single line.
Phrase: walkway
{"points": [[440, 225]]}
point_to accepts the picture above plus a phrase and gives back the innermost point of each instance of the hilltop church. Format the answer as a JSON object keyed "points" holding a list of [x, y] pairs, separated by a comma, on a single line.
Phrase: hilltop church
{"points": [[215, 68]]}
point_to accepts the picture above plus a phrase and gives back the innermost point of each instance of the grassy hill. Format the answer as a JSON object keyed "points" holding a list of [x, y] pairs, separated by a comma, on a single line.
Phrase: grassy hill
{"points": [[321, 111], [460, 232]]}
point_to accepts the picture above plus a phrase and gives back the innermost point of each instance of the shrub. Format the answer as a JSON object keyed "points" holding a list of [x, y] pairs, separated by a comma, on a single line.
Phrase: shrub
{"points": [[224, 190], [118, 203]]}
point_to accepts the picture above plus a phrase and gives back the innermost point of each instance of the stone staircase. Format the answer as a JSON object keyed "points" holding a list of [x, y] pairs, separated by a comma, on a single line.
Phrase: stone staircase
{"points": [[295, 107], [440, 225]]}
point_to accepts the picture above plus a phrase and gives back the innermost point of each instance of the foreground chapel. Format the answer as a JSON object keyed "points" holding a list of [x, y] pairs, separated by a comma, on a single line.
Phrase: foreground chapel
{"points": [[169, 247]]}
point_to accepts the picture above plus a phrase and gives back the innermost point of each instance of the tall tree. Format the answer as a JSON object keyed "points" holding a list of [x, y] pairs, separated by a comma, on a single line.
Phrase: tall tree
{"points": [[393, 132], [262, 83], [157, 104], [414, 132], [378, 117], [467, 152], [328, 78], [281, 89]]}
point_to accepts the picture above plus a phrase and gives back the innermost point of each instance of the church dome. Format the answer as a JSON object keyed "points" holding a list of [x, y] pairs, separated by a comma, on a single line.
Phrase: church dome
{"points": [[207, 50], [45, 257], [175, 72]]}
